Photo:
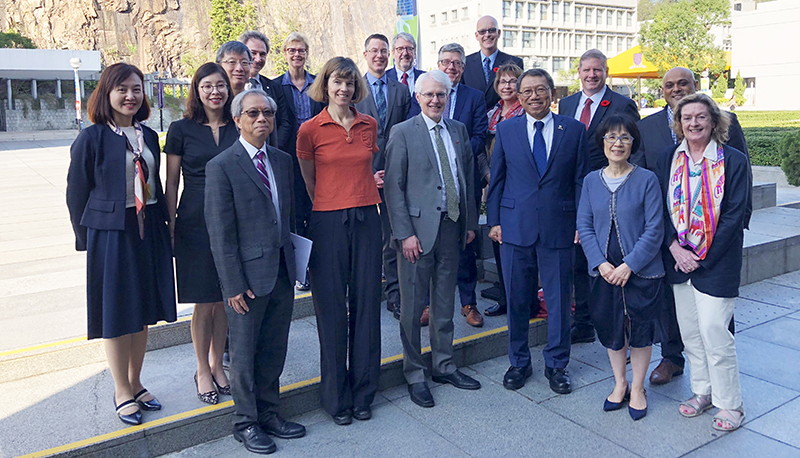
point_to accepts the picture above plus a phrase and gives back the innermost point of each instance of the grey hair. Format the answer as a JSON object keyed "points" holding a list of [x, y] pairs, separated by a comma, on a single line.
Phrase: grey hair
{"points": [[436, 75], [236, 105], [233, 47], [594, 54], [295, 36], [405, 36], [254, 35], [452, 47]]}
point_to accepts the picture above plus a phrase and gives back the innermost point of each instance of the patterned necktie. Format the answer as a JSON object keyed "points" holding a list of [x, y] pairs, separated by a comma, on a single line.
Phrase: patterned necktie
{"points": [[539, 148], [451, 197], [262, 171], [254, 83], [405, 79], [380, 101], [487, 69], [586, 114]]}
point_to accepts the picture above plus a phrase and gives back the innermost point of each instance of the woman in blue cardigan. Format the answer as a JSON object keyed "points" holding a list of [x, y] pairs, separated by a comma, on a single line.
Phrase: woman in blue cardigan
{"points": [[119, 216], [620, 225]]}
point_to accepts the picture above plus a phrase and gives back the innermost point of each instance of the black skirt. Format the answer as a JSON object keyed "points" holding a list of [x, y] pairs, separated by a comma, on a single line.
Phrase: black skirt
{"points": [[129, 280], [626, 313], [198, 281]]}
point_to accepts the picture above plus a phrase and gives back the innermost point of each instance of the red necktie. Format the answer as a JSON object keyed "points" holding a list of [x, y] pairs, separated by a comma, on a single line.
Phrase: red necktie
{"points": [[405, 79], [586, 114]]}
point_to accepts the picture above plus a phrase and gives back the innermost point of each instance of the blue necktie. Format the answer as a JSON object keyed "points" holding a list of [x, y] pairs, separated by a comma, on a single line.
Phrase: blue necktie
{"points": [[539, 148], [487, 70], [380, 101]]}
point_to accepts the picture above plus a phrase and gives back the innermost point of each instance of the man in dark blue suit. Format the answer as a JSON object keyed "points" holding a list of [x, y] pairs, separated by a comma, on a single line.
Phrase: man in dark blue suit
{"points": [[404, 52], [467, 106], [481, 66], [590, 106], [538, 165]]}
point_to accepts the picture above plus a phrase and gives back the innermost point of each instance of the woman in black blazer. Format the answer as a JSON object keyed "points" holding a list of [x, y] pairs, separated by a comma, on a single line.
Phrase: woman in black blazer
{"points": [[119, 216]]}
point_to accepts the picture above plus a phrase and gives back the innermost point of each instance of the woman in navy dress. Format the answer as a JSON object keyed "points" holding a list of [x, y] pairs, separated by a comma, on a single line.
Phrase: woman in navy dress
{"points": [[206, 130], [119, 215]]}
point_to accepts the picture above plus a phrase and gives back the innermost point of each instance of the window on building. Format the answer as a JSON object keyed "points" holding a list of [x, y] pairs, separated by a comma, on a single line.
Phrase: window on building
{"points": [[629, 43], [578, 11], [599, 16], [737, 7], [543, 12], [578, 42], [506, 8], [509, 38], [610, 44], [433, 45], [555, 10], [559, 63], [619, 18], [433, 19], [531, 11], [454, 14], [519, 9], [726, 45], [566, 12], [588, 16], [619, 44], [599, 42], [464, 12], [444, 16], [630, 20], [528, 39], [609, 18]]}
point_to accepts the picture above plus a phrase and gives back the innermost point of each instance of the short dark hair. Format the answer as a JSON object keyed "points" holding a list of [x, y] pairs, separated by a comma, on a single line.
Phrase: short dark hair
{"points": [[194, 107], [255, 35], [233, 47], [376, 36], [537, 72], [345, 68], [99, 105], [618, 122]]}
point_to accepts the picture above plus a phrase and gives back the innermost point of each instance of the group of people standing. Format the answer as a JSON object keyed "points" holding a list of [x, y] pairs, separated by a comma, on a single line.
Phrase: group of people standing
{"points": [[385, 173]]}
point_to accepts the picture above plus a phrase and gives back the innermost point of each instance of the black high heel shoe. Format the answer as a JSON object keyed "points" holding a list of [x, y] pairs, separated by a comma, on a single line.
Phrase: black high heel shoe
{"points": [[226, 390], [134, 418], [609, 406], [637, 414], [150, 405], [209, 397]]}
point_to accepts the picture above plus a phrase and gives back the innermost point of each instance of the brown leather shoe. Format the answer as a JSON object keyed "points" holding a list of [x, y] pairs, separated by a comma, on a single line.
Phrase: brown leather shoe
{"points": [[664, 372], [474, 317], [425, 318]]}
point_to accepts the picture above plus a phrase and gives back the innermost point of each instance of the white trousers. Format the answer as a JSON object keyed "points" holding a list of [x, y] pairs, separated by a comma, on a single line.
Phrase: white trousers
{"points": [[709, 346]]}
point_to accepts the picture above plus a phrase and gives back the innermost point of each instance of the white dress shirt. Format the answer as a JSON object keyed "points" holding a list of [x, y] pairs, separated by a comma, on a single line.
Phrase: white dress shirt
{"points": [[252, 151], [547, 131], [451, 154], [596, 99], [409, 79]]}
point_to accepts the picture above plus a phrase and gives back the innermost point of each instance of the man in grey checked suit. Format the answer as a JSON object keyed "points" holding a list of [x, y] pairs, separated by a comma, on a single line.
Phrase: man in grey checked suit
{"points": [[247, 210], [429, 188]]}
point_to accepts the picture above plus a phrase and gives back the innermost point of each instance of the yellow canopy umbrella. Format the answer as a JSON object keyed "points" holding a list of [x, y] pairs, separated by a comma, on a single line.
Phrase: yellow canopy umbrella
{"points": [[631, 64]]}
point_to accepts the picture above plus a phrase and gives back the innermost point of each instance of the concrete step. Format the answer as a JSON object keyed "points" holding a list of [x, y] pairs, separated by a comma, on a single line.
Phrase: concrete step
{"points": [[78, 397], [765, 195]]}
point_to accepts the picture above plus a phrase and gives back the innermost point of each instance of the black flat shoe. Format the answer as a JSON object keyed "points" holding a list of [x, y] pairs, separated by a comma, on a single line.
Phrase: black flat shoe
{"points": [[609, 406], [421, 394], [559, 380], [209, 397], [515, 377], [493, 293], [150, 405], [495, 310], [344, 417], [637, 414], [362, 413], [459, 380], [226, 390], [278, 427], [255, 440], [582, 334], [134, 418]]}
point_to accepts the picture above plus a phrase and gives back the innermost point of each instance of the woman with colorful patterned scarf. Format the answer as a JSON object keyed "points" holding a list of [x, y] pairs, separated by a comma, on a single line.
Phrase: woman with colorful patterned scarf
{"points": [[706, 190]]}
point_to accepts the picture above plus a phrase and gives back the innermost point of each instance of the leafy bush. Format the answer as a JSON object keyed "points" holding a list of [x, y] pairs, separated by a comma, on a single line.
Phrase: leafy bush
{"points": [[738, 89], [660, 103], [763, 131], [720, 86], [789, 148], [720, 100]]}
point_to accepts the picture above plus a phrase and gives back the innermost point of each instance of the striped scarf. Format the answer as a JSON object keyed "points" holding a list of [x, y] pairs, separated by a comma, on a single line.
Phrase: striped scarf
{"points": [[695, 213]]}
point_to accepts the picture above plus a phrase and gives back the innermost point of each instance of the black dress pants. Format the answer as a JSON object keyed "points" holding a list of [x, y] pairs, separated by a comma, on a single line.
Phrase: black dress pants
{"points": [[345, 268]]}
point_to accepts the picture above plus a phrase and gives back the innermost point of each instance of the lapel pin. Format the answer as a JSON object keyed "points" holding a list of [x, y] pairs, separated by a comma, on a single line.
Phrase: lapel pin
{"points": [[560, 128]]}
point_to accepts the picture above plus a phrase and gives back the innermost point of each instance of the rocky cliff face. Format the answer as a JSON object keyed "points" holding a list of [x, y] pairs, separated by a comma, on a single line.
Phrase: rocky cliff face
{"points": [[174, 35]]}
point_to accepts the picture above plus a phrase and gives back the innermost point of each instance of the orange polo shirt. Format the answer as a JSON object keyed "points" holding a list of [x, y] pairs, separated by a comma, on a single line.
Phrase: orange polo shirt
{"points": [[343, 160]]}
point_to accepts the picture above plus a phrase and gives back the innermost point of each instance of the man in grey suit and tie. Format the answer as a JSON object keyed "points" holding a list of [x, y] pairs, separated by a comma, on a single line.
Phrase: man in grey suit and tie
{"points": [[247, 210], [429, 186], [389, 105]]}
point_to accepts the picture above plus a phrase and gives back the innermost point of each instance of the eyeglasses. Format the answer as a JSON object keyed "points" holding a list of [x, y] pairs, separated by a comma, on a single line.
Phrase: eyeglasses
{"points": [[233, 62], [299, 51], [611, 139], [253, 114], [408, 49], [430, 95], [455, 63], [209, 88], [491, 30], [509, 82], [540, 91], [382, 52]]}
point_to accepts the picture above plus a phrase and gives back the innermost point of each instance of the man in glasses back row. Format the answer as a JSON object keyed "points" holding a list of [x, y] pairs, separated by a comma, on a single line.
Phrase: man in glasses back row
{"points": [[479, 72]]}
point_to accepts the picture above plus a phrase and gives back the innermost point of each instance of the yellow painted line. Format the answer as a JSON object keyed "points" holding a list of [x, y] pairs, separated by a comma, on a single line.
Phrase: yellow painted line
{"points": [[223, 405]]}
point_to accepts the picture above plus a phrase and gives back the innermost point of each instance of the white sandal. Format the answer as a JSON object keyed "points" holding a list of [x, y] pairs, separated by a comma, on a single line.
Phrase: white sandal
{"points": [[699, 403], [728, 416]]}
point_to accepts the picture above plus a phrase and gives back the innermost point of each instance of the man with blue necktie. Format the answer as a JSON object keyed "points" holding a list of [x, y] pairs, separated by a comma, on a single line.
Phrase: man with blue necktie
{"points": [[480, 70]]}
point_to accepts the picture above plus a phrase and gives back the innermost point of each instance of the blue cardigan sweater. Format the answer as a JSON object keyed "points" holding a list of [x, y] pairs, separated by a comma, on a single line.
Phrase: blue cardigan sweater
{"points": [[636, 210]]}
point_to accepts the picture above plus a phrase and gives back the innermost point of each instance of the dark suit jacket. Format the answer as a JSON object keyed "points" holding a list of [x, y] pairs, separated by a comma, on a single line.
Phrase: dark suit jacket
{"points": [[415, 108], [656, 137], [474, 78], [316, 107], [242, 221], [412, 185], [529, 207], [398, 104], [719, 273], [281, 134], [96, 186], [616, 104], [470, 110]]}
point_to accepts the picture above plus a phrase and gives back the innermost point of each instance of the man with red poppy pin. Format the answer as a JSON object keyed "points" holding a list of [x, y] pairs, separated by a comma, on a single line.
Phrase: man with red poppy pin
{"points": [[590, 106], [481, 66]]}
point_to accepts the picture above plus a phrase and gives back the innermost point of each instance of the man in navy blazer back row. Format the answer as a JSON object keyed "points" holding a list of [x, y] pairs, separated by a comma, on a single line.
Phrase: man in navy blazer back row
{"points": [[538, 165], [591, 106], [404, 52]]}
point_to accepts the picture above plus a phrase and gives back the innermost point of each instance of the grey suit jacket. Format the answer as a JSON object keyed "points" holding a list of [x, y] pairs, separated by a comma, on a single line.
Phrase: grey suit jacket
{"points": [[242, 221], [412, 185], [398, 103]]}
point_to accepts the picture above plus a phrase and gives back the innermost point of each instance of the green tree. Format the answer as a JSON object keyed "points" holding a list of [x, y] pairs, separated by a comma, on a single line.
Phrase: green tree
{"points": [[679, 35], [646, 9], [720, 86], [15, 40], [738, 89], [231, 18], [571, 76]]}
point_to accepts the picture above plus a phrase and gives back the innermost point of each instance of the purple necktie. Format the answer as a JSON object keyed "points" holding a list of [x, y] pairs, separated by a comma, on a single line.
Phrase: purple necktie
{"points": [[262, 171]]}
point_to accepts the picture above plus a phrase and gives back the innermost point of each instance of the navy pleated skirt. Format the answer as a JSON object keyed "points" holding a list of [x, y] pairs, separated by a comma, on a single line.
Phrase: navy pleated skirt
{"points": [[130, 282]]}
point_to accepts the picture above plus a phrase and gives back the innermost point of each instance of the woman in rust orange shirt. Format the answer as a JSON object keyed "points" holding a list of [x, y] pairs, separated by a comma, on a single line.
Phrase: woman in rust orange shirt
{"points": [[335, 151]]}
